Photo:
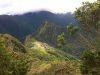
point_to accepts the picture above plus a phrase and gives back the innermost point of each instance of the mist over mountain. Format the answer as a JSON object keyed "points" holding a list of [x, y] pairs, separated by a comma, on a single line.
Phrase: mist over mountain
{"points": [[22, 25], [46, 43]]}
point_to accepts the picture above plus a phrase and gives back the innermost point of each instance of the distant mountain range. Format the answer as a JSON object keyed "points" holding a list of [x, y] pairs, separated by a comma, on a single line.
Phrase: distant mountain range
{"points": [[22, 25], [38, 54]]}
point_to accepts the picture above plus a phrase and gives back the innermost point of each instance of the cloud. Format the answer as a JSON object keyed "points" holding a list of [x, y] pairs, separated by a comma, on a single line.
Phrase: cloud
{"points": [[5, 4], [22, 6]]}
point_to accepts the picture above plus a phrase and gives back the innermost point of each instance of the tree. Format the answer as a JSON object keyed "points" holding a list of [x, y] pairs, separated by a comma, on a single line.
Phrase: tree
{"points": [[61, 39], [72, 29], [88, 61], [89, 15]]}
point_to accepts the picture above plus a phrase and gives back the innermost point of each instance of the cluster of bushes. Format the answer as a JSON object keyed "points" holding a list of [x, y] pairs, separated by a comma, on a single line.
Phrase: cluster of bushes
{"points": [[9, 65], [90, 62], [89, 17]]}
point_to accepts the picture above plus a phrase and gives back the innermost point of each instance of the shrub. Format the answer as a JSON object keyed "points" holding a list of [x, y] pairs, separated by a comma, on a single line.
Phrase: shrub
{"points": [[9, 65]]}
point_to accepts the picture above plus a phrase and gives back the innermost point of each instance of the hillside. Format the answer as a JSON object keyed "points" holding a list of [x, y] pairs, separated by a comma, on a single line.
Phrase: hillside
{"points": [[50, 61], [13, 57], [46, 43], [12, 44], [35, 58], [22, 25], [46, 52], [48, 33]]}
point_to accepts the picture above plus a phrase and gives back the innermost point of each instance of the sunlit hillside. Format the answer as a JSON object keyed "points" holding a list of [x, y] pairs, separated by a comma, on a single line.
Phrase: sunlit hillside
{"points": [[37, 37]]}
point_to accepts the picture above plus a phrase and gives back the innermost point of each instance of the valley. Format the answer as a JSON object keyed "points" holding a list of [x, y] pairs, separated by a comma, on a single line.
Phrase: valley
{"points": [[47, 43]]}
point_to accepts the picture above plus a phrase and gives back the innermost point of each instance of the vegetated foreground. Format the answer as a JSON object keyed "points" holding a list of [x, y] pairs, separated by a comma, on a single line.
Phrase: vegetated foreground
{"points": [[37, 58]]}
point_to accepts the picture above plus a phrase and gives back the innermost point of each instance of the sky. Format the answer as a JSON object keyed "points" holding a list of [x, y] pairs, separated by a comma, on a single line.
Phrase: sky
{"points": [[23, 6]]}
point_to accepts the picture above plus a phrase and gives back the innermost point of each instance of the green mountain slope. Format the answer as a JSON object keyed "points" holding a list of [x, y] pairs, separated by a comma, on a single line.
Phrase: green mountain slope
{"points": [[48, 33], [13, 56], [35, 58], [45, 52], [12, 43], [49, 60], [25, 24]]}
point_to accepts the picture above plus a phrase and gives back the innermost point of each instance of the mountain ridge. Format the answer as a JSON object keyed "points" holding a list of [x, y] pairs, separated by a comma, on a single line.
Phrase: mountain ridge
{"points": [[39, 58], [22, 25]]}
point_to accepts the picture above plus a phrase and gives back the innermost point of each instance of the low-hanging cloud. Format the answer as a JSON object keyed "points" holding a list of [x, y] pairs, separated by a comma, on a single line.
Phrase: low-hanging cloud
{"points": [[22, 6]]}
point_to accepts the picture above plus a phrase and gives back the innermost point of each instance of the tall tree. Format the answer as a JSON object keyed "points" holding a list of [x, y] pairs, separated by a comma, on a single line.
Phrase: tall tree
{"points": [[61, 39], [89, 16], [72, 29]]}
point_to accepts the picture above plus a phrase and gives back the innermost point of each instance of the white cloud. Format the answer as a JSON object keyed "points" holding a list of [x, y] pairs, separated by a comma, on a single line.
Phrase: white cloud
{"points": [[21, 6]]}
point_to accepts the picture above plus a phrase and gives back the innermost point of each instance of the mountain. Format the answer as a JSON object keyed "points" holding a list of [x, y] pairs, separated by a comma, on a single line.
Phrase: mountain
{"points": [[37, 56], [34, 58], [43, 51], [22, 25], [49, 60], [48, 33]]}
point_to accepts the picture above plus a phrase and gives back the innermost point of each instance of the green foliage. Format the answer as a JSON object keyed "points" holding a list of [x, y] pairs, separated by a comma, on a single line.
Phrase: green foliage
{"points": [[61, 40], [9, 65], [45, 52], [49, 60], [90, 61], [88, 58], [62, 68], [72, 29], [11, 43], [48, 33], [19, 68], [5, 64], [89, 15]]}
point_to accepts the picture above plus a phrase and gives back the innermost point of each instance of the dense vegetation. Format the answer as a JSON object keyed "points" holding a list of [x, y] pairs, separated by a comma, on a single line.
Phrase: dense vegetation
{"points": [[51, 33], [22, 25], [34, 59], [89, 17], [52, 49], [11, 63]]}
